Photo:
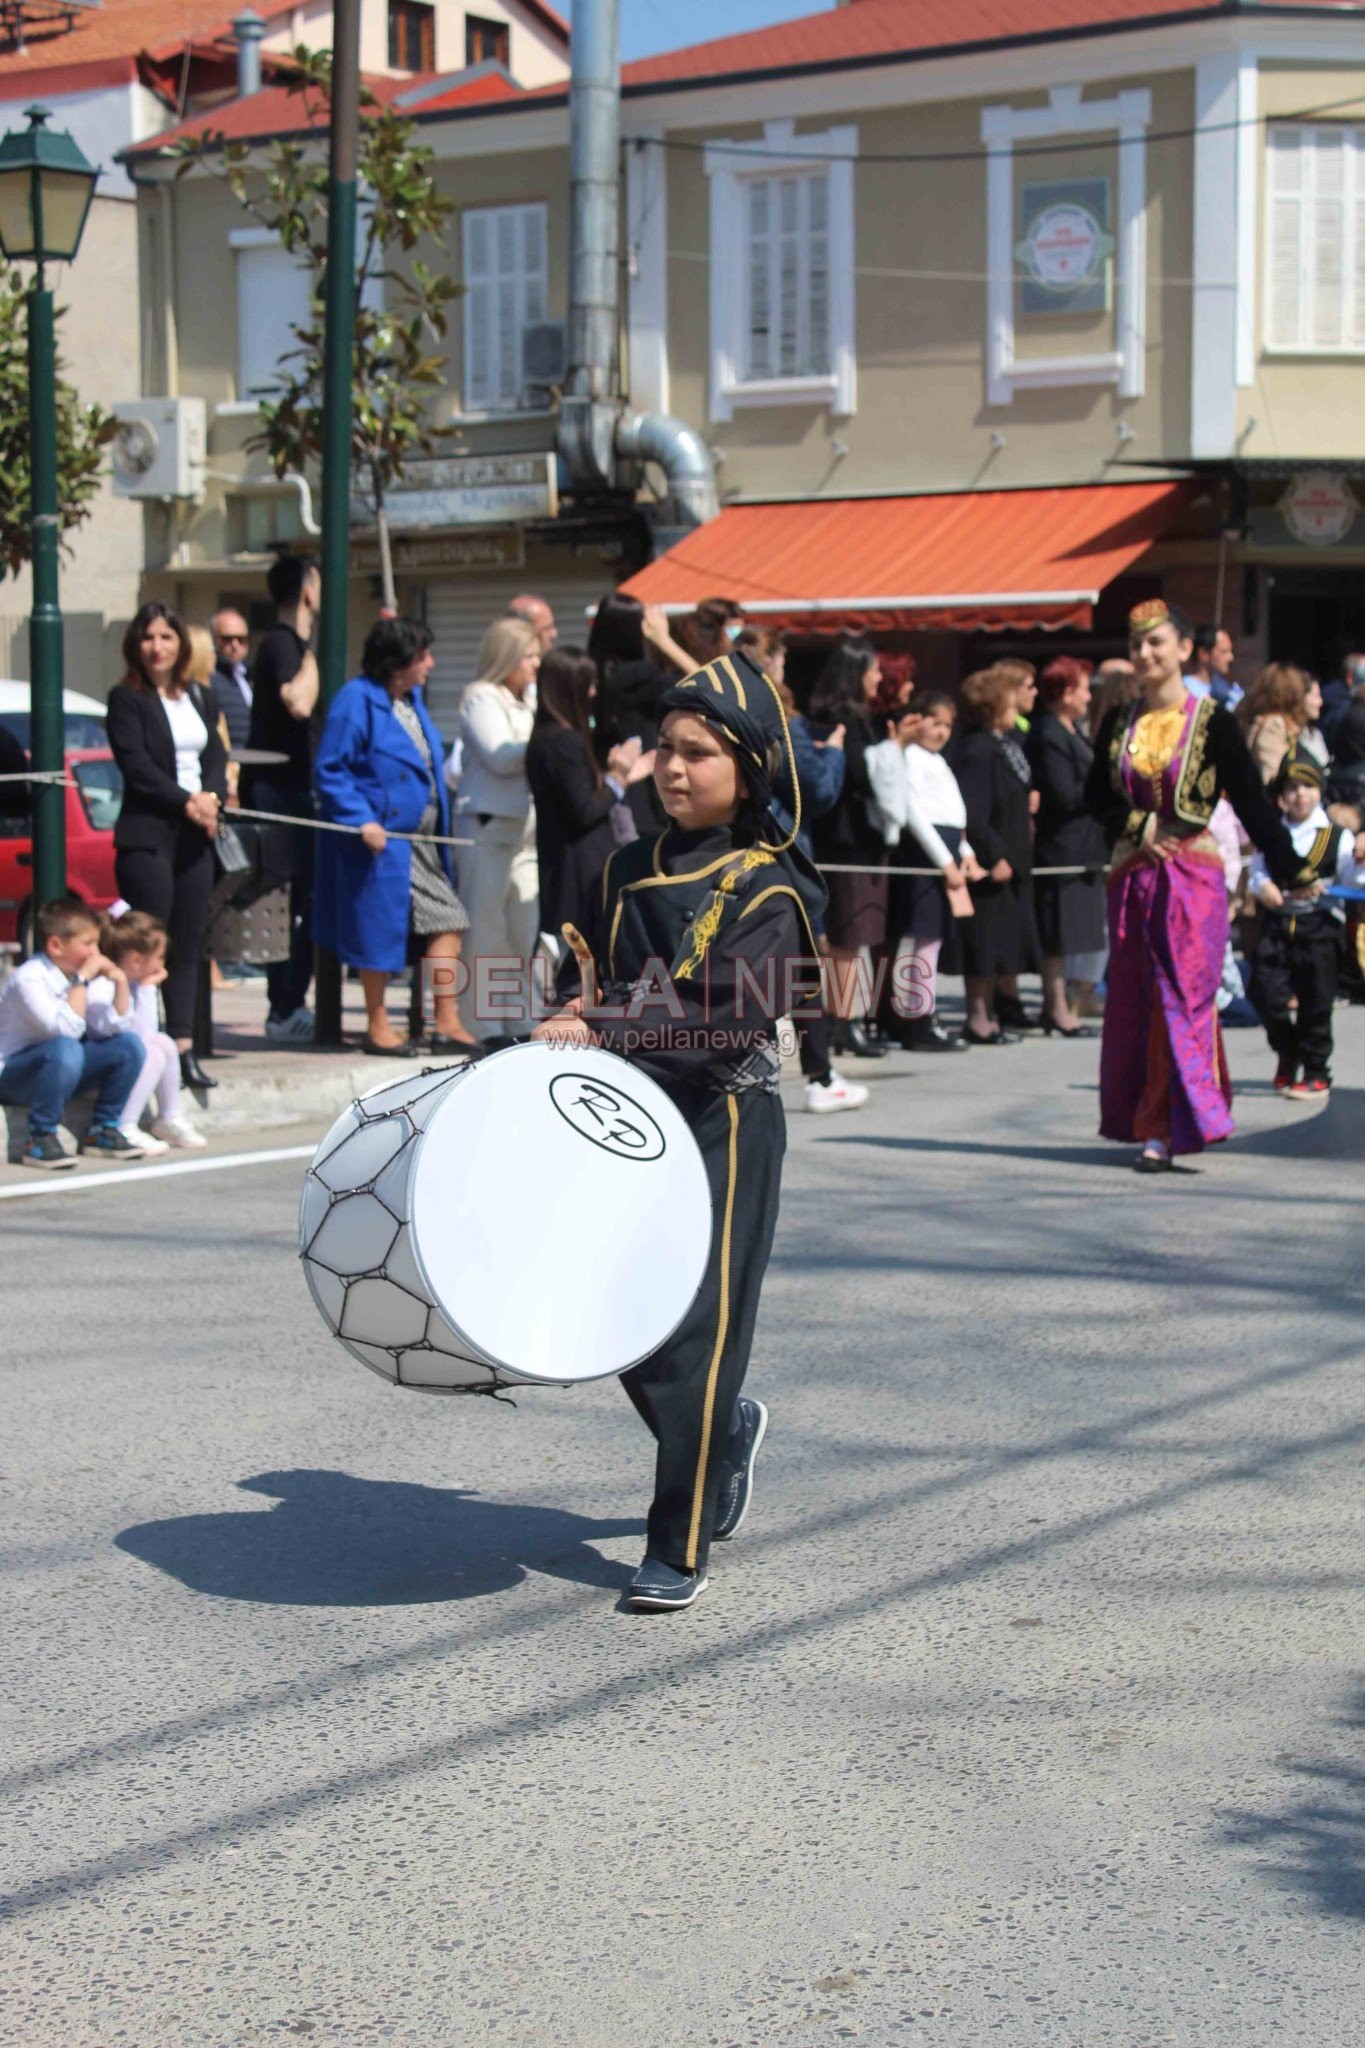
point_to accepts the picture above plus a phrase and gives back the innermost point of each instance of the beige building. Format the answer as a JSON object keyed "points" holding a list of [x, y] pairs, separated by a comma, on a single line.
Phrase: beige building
{"points": [[1116, 261], [117, 76]]}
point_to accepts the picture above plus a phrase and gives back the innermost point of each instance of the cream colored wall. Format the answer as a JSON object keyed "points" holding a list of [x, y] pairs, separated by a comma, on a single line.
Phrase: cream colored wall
{"points": [[922, 422], [527, 175], [536, 57], [102, 560], [1302, 405]]}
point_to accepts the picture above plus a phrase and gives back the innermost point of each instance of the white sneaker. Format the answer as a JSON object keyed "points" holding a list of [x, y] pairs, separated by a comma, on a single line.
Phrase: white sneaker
{"points": [[825, 1098], [178, 1131], [143, 1140], [295, 1029]]}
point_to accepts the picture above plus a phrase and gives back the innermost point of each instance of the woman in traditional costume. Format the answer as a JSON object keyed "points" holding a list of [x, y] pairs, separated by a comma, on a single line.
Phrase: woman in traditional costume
{"points": [[1160, 767]]}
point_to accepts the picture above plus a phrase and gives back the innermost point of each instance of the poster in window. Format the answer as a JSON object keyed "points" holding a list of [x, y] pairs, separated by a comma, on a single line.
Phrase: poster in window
{"points": [[1065, 251]]}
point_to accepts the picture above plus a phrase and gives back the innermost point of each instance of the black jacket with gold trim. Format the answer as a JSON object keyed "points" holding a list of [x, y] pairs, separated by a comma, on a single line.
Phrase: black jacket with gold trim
{"points": [[1217, 763], [698, 944]]}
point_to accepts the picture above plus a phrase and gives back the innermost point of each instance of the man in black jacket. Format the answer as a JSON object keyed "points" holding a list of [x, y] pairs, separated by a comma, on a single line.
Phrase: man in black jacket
{"points": [[284, 696]]}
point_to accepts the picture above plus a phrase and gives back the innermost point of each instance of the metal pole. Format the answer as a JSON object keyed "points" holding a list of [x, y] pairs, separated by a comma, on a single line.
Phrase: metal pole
{"points": [[45, 622], [338, 354]]}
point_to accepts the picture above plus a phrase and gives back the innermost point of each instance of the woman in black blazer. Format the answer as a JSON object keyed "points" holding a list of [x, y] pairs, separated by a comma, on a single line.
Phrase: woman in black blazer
{"points": [[1070, 908], [993, 776], [163, 732], [574, 800]]}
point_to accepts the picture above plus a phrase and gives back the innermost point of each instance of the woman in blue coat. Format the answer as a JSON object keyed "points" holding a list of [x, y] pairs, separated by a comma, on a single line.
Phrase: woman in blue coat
{"points": [[378, 769]]}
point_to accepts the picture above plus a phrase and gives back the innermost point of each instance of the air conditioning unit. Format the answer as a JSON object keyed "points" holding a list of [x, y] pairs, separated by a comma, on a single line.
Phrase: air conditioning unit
{"points": [[161, 448], [544, 354]]}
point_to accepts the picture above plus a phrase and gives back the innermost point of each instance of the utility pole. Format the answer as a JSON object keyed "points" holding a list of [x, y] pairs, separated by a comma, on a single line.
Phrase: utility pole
{"points": [[338, 377]]}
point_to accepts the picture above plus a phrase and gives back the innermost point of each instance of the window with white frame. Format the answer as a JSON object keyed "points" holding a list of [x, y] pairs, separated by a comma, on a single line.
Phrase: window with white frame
{"points": [[787, 276], [274, 296], [506, 290], [1315, 230], [782, 297]]}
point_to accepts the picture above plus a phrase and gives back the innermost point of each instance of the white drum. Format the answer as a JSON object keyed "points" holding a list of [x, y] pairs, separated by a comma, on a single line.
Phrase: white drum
{"points": [[542, 1215]]}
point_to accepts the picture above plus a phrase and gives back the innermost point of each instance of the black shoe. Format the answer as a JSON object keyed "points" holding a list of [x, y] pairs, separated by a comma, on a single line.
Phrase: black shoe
{"points": [[1011, 1012], [192, 1075], [108, 1142], [657, 1588], [1153, 1162], [501, 1041], [46, 1150], [859, 1040], [930, 1036], [737, 1486], [1000, 1037], [1052, 1028], [404, 1050], [441, 1043]]}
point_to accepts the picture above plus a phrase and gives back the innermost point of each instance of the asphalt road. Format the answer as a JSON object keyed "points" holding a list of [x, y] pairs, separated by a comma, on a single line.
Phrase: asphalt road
{"points": [[1029, 1707]]}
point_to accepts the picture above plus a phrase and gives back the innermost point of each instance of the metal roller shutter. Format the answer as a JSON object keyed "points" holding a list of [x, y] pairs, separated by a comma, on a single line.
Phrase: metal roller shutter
{"points": [[460, 609]]}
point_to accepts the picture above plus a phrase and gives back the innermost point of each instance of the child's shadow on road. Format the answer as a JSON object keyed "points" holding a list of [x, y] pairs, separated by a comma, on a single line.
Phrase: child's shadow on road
{"points": [[338, 1541]]}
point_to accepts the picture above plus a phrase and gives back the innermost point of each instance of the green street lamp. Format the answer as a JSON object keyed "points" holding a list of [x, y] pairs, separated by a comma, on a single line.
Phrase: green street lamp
{"points": [[46, 187]]}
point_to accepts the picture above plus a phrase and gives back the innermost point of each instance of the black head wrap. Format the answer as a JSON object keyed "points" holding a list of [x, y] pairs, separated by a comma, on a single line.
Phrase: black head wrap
{"points": [[1299, 765], [735, 697]]}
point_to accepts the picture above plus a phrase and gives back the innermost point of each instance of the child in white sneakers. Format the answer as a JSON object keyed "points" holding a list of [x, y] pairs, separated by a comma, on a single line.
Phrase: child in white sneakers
{"points": [[136, 942]]}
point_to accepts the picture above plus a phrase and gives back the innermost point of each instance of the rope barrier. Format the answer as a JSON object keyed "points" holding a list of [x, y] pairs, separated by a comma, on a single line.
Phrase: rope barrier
{"points": [[230, 817]]}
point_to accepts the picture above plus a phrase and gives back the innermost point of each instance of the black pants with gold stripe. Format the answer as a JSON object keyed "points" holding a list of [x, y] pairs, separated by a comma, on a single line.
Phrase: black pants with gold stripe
{"points": [[687, 1392]]}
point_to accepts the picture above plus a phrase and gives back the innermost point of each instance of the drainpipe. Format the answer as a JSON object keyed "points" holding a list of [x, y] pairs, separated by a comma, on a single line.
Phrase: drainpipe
{"points": [[590, 405], [594, 433], [248, 28]]}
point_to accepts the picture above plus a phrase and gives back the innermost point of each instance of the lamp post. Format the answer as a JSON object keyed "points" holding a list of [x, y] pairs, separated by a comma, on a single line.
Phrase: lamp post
{"points": [[46, 187]]}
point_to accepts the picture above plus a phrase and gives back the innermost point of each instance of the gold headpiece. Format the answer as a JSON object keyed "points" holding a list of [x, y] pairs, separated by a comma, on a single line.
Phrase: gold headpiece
{"points": [[1153, 611]]}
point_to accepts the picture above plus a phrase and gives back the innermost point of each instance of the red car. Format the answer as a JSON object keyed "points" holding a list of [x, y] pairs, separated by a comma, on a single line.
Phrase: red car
{"points": [[92, 808]]}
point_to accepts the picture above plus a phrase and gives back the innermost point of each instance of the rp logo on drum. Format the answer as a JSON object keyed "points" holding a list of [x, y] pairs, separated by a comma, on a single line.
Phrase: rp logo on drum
{"points": [[606, 1117]]}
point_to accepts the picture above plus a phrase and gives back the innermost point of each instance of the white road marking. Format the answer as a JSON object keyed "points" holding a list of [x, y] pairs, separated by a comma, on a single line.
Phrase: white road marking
{"points": [[76, 1183]]}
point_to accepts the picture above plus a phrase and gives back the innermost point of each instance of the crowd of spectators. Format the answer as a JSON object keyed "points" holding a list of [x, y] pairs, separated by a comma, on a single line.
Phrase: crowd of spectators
{"points": [[952, 828]]}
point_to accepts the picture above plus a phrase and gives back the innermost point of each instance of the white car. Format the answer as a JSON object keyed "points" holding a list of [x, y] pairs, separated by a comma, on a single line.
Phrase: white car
{"points": [[83, 716]]}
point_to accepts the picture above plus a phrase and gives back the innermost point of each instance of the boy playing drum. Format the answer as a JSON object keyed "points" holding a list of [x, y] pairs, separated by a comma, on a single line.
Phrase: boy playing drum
{"points": [[703, 940]]}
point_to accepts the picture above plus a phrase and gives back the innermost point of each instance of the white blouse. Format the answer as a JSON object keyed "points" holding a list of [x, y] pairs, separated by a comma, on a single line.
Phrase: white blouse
{"points": [[934, 799], [191, 736]]}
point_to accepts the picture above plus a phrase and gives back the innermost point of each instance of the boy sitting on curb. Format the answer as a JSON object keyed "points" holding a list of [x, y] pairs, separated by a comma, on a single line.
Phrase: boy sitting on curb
{"points": [[45, 1056]]}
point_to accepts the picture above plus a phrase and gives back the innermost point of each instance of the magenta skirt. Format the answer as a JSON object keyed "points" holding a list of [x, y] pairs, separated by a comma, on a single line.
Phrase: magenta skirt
{"points": [[1163, 1073]]}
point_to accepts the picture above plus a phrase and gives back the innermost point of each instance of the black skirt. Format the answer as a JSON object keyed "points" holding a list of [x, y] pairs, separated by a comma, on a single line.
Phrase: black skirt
{"points": [[919, 903], [1071, 914], [999, 938]]}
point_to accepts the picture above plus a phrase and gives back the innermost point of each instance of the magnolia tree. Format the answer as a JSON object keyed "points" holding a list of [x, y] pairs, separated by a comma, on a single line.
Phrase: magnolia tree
{"points": [[83, 431], [403, 313]]}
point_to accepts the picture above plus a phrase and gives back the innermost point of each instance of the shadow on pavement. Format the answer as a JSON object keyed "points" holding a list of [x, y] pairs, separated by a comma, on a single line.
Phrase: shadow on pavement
{"points": [[1101, 1153], [338, 1541], [1317, 1845], [1336, 1132]]}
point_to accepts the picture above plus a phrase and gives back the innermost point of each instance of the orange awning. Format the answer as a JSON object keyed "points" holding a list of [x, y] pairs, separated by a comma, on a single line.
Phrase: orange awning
{"points": [[970, 561]]}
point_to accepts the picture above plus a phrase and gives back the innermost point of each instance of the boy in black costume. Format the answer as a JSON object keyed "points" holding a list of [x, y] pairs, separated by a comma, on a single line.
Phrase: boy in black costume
{"points": [[702, 942]]}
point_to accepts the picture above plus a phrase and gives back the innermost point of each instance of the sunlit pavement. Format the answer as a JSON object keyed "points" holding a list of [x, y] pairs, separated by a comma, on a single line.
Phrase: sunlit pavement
{"points": [[1028, 1706]]}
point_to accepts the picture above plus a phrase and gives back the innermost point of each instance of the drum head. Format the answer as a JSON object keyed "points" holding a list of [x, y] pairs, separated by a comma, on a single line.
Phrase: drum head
{"points": [[561, 1213]]}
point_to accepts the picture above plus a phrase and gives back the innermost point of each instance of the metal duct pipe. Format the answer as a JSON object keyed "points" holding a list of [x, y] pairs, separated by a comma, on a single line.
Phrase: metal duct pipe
{"points": [[592, 435], [248, 28], [681, 454], [589, 405]]}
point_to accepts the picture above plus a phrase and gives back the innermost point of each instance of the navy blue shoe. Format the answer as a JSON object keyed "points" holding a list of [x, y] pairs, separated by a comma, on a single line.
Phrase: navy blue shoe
{"points": [[737, 1486], [656, 1587]]}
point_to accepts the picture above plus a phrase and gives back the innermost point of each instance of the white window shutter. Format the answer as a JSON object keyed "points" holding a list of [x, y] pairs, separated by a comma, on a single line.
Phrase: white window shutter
{"points": [[1329, 222], [274, 296], [506, 289], [1285, 267]]}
